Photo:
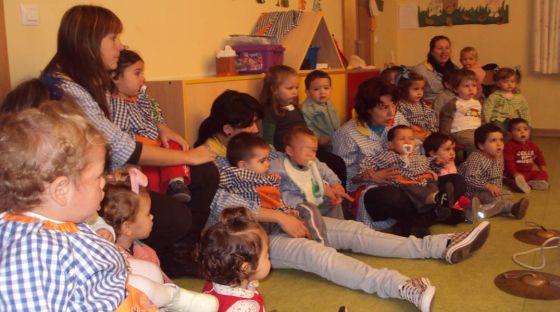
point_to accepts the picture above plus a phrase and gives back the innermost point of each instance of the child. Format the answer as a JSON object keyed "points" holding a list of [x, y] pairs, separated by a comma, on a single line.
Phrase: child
{"points": [[52, 259], [415, 176], [233, 256], [247, 177], [461, 116], [521, 155], [389, 75], [410, 90], [281, 113], [134, 112], [318, 111], [469, 60], [304, 179], [447, 94], [126, 207], [483, 171], [506, 102]]}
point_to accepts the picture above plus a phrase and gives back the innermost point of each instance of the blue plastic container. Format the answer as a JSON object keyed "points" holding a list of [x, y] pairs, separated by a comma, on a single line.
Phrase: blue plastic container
{"points": [[311, 57]]}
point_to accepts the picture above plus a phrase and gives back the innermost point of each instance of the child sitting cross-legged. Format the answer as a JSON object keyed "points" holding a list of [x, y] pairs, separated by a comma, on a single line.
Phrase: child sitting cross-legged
{"points": [[521, 156], [50, 258], [233, 257], [484, 170], [421, 185], [304, 178]]}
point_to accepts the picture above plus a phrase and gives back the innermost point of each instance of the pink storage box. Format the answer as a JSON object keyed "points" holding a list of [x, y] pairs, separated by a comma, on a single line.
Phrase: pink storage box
{"points": [[256, 59]]}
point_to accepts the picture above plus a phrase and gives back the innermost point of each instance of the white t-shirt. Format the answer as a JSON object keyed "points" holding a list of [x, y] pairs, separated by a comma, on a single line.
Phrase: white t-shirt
{"points": [[467, 116]]}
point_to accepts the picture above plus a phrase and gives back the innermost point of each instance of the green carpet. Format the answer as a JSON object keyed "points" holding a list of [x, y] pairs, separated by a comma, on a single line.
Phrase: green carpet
{"points": [[467, 286]]}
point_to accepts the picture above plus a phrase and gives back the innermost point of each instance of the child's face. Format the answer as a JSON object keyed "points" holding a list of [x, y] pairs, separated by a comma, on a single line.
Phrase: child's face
{"points": [[467, 89], [383, 113], [494, 144], [445, 153], [86, 192], [508, 84], [264, 262], [520, 132], [287, 92], [402, 138], [131, 79], [302, 150], [141, 227], [416, 91], [258, 163], [320, 90], [468, 59]]}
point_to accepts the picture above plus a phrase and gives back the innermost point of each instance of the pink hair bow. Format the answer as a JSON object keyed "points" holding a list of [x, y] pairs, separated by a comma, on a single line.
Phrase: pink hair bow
{"points": [[137, 179]]}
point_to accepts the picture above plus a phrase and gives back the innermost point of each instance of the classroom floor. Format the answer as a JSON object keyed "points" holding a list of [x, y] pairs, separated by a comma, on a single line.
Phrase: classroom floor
{"points": [[467, 286]]}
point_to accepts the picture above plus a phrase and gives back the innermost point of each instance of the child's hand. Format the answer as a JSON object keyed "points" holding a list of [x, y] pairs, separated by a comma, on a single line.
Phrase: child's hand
{"points": [[293, 212], [293, 226], [276, 176], [385, 176], [199, 155], [104, 233], [339, 191], [329, 193], [166, 134], [493, 189], [324, 140]]}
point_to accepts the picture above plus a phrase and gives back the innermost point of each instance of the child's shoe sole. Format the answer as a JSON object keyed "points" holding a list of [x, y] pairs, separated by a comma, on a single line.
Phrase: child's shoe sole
{"points": [[470, 243], [519, 209], [539, 185]]}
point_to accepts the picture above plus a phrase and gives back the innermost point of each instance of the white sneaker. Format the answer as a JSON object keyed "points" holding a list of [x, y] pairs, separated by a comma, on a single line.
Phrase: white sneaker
{"points": [[191, 301], [463, 245], [472, 217], [419, 292], [539, 185], [522, 184]]}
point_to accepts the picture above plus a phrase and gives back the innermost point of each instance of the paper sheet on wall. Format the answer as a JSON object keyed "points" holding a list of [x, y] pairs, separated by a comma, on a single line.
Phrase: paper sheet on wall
{"points": [[408, 16]]}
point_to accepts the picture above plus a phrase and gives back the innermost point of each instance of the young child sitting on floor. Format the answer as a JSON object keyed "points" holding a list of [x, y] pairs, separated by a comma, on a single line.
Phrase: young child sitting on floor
{"points": [[304, 179], [140, 116], [248, 177], [447, 93], [420, 183], [462, 115], [484, 170], [233, 257], [50, 258], [318, 110], [506, 102], [410, 91], [521, 156]]}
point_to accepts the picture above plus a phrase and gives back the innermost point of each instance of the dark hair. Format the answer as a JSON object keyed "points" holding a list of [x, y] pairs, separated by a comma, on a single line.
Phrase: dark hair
{"points": [[463, 74], [294, 132], [273, 78], [316, 74], [435, 141], [514, 122], [27, 94], [385, 75], [434, 40], [505, 73], [393, 131], [233, 108], [78, 56], [242, 145], [227, 245], [404, 84], [126, 59], [369, 96], [481, 133], [450, 76]]}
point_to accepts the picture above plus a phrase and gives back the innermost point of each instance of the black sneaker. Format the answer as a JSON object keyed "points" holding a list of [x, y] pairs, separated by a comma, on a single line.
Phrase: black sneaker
{"points": [[179, 191], [444, 201]]}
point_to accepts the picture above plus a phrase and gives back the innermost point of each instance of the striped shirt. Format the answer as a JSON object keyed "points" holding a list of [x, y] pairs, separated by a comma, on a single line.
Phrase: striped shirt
{"points": [[480, 170], [46, 266], [138, 116], [499, 108], [419, 114], [410, 168]]}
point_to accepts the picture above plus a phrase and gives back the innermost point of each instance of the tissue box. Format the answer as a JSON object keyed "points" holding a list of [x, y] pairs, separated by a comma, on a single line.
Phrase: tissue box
{"points": [[256, 59], [225, 66]]}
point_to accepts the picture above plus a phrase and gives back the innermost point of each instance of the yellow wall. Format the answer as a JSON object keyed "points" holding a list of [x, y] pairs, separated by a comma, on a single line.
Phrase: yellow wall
{"points": [[177, 38], [506, 45]]}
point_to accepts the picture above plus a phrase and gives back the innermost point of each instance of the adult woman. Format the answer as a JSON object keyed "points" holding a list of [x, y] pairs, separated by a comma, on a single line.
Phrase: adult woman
{"points": [[382, 205], [437, 63], [88, 49], [233, 112]]}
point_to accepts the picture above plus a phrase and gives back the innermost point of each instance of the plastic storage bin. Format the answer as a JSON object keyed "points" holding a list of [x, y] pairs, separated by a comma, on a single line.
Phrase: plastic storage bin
{"points": [[256, 59]]}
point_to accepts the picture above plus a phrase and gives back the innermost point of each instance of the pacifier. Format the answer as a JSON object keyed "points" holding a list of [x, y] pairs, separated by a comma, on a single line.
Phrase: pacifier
{"points": [[143, 88], [407, 148]]}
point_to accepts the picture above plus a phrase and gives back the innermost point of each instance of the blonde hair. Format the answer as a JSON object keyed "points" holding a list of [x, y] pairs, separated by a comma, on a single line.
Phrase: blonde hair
{"points": [[466, 50], [39, 145]]}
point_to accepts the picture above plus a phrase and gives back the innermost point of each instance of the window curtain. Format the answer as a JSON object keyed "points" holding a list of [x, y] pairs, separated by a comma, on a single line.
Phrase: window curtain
{"points": [[546, 19]]}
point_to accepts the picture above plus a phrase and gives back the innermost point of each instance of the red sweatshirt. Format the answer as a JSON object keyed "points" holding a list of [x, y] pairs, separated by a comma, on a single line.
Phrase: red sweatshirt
{"points": [[522, 157]]}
